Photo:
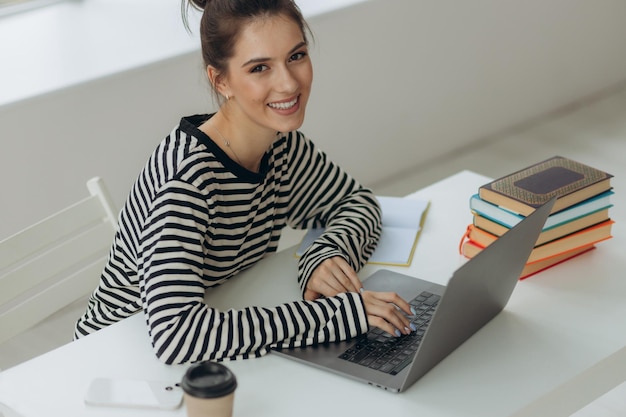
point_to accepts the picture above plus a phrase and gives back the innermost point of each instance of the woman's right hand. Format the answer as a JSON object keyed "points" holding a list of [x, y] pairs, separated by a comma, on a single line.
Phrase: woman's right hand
{"points": [[388, 311]]}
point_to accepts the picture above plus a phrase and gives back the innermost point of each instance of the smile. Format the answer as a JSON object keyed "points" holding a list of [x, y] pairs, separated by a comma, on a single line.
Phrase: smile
{"points": [[285, 105]]}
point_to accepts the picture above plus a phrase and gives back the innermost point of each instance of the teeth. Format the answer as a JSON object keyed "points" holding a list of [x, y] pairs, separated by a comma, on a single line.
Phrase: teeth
{"points": [[284, 106]]}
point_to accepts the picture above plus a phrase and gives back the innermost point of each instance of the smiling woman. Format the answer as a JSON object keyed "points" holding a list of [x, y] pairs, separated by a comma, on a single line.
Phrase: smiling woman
{"points": [[216, 194]]}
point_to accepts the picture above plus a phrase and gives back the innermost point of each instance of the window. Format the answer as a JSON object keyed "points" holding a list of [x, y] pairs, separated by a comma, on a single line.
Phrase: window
{"points": [[14, 6]]}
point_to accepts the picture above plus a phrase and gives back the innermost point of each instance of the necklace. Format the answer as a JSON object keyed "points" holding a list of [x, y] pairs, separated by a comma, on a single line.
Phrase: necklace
{"points": [[227, 143]]}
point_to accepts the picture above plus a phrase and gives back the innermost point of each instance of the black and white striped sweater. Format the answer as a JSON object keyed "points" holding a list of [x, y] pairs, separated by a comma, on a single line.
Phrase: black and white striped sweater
{"points": [[194, 218]]}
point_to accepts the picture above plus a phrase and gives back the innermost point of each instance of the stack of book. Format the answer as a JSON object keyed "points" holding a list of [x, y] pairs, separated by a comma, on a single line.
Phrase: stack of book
{"points": [[579, 220]]}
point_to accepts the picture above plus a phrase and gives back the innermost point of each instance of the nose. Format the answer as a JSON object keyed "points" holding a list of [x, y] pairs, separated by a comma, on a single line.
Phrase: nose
{"points": [[286, 82]]}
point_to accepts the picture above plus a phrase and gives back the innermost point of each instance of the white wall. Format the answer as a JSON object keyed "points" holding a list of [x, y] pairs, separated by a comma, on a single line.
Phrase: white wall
{"points": [[407, 80], [397, 82]]}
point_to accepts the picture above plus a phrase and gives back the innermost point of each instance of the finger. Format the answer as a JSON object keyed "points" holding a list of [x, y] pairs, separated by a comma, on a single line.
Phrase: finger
{"points": [[354, 283], [387, 311], [384, 325], [330, 275], [339, 280], [338, 269], [394, 298], [398, 320], [327, 286], [402, 322], [404, 306]]}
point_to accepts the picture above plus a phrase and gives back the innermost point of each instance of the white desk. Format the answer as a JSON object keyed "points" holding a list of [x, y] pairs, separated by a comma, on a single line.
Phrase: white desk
{"points": [[557, 345]]}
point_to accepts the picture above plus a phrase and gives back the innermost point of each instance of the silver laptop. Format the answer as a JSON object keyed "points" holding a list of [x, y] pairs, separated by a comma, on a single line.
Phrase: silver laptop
{"points": [[446, 315]]}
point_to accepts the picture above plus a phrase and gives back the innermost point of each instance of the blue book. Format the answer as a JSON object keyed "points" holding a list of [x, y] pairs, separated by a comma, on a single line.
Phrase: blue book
{"points": [[509, 218]]}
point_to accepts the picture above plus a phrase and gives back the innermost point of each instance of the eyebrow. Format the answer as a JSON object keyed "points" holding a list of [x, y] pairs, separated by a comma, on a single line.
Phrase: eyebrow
{"points": [[262, 59]]}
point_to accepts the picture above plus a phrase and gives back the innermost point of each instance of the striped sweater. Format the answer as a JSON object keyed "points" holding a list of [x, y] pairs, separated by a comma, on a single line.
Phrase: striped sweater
{"points": [[194, 218]]}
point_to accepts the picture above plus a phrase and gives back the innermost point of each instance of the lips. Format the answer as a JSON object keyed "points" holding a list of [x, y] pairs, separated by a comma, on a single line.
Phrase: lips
{"points": [[284, 105]]}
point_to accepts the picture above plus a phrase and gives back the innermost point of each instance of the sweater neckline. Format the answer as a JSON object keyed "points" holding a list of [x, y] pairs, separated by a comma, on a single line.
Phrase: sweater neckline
{"points": [[191, 124]]}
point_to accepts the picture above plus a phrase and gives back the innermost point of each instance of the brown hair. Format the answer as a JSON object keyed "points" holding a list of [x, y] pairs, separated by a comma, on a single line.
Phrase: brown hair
{"points": [[222, 21]]}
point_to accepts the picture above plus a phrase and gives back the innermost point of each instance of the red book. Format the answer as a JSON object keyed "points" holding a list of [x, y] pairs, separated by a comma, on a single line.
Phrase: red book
{"points": [[470, 249], [580, 239]]}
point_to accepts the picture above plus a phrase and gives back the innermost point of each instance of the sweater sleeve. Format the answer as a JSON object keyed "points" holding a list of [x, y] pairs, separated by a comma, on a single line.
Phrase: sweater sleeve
{"points": [[324, 195], [183, 328]]}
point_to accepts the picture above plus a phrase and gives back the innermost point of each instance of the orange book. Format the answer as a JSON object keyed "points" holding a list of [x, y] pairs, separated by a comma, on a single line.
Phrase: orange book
{"points": [[582, 238], [470, 249], [550, 233]]}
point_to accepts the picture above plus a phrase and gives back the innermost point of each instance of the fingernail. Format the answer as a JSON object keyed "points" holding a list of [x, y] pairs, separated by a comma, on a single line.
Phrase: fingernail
{"points": [[397, 333], [361, 290], [412, 326], [413, 310]]}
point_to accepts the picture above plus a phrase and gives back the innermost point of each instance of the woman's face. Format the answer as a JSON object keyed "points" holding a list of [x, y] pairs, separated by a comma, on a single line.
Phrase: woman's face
{"points": [[269, 77]]}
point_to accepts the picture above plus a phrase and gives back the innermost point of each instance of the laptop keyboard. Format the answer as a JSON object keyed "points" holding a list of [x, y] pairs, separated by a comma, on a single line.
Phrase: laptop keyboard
{"points": [[379, 350]]}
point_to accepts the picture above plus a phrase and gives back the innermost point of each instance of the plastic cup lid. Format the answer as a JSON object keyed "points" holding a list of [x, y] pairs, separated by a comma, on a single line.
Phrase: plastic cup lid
{"points": [[208, 380]]}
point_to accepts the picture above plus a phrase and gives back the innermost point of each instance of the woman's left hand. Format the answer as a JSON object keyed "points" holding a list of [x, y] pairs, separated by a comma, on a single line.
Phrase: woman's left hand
{"points": [[331, 277]]}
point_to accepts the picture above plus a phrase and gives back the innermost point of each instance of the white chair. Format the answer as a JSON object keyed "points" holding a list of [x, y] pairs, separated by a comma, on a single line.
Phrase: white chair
{"points": [[54, 262]]}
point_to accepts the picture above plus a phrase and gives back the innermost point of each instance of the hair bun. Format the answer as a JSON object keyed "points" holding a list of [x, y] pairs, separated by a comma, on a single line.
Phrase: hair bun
{"points": [[199, 4]]}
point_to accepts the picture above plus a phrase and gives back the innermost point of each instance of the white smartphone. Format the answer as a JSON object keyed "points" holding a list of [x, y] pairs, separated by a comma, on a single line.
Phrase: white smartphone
{"points": [[134, 393]]}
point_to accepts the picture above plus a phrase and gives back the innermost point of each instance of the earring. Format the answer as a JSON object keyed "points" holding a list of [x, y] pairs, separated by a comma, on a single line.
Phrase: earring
{"points": [[227, 97]]}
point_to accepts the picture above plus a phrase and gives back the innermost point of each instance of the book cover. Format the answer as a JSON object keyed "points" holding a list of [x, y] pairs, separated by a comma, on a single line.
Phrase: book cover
{"points": [[509, 219], [470, 249], [548, 233], [402, 223], [525, 190], [588, 236]]}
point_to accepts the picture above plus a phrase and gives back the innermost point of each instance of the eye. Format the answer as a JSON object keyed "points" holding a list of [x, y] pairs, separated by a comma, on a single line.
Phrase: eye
{"points": [[259, 68], [297, 56]]}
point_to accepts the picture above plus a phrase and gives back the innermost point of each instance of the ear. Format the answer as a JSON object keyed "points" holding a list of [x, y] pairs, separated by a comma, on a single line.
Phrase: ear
{"points": [[218, 81]]}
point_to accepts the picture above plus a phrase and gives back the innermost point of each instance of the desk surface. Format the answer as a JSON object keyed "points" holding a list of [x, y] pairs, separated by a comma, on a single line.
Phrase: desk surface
{"points": [[558, 344]]}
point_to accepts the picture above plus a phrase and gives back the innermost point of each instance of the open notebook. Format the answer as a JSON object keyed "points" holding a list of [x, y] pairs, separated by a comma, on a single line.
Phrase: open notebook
{"points": [[403, 219]]}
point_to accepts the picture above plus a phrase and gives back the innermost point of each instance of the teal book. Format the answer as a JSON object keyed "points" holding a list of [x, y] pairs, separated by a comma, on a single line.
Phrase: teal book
{"points": [[509, 218], [547, 234]]}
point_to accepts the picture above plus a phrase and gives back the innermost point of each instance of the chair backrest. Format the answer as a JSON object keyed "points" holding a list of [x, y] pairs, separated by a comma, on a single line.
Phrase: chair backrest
{"points": [[54, 262]]}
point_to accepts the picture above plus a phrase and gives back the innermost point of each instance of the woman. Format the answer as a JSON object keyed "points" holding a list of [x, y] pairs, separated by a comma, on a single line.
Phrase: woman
{"points": [[215, 194]]}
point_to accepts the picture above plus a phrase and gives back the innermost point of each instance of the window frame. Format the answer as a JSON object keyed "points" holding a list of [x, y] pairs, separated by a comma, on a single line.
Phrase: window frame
{"points": [[8, 7]]}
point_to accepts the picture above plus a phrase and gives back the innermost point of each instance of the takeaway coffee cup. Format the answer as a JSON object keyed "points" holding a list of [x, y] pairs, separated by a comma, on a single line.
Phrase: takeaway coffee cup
{"points": [[209, 390]]}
